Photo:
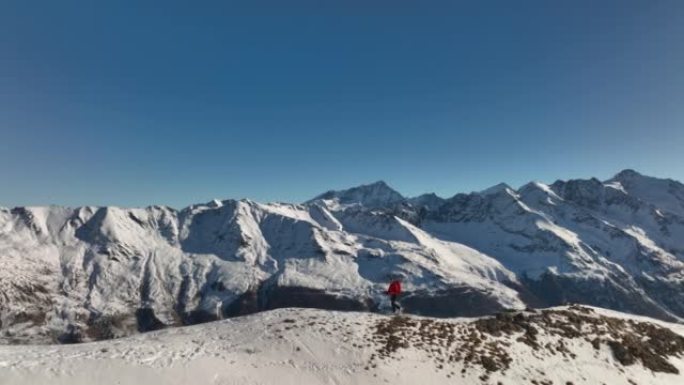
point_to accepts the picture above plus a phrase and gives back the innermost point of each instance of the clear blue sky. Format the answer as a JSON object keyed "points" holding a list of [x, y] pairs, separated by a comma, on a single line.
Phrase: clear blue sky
{"points": [[176, 102]]}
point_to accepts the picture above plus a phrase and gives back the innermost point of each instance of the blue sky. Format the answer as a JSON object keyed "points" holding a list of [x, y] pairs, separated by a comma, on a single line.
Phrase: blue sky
{"points": [[138, 102]]}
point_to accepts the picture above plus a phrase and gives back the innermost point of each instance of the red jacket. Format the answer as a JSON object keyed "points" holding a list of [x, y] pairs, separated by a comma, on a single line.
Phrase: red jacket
{"points": [[394, 288]]}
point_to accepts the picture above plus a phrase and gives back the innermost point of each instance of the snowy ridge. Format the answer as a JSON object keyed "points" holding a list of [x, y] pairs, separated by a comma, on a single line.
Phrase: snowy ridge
{"points": [[89, 273], [310, 346]]}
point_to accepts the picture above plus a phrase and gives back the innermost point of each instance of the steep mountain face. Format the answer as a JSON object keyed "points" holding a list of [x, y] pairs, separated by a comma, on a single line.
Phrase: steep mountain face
{"points": [[92, 273]]}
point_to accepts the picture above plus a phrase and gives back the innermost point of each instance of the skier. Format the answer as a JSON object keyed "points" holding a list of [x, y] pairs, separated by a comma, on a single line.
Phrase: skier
{"points": [[393, 291]]}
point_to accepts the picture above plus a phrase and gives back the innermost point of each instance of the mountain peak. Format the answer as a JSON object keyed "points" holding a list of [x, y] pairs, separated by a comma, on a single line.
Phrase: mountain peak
{"points": [[666, 194], [215, 203], [537, 188], [379, 183], [501, 187], [428, 200], [377, 194], [428, 196], [627, 174]]}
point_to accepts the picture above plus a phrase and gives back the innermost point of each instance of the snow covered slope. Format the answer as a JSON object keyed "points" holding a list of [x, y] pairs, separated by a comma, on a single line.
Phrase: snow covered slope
{"points": [[89, 273], [568, 345]]}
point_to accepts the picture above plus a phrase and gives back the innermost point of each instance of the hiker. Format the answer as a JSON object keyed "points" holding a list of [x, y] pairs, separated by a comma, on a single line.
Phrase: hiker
{"points": [[394, 291]]}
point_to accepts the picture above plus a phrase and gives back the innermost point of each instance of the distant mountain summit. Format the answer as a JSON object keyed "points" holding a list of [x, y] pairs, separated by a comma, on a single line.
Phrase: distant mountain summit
{"points": [[499, 188], [665, 194], [429, 201], [74, 274], [377, 194]]}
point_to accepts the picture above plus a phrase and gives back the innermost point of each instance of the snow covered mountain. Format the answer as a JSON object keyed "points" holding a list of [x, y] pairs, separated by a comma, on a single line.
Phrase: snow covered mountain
{"points": [[616, 244], [94, 273], [75, 274], [567, 345], [375, 195]]}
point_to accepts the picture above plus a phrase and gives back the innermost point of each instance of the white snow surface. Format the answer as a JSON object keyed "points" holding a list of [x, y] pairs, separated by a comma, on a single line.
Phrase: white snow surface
{"points": [[301, 346]]}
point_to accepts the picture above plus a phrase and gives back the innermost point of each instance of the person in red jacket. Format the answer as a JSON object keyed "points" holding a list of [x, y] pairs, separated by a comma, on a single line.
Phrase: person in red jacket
{"points": [[393, 291]]}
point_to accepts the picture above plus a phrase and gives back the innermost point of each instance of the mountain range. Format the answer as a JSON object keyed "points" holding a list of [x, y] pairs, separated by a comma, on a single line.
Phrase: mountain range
{"points": [[89, 273]]}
